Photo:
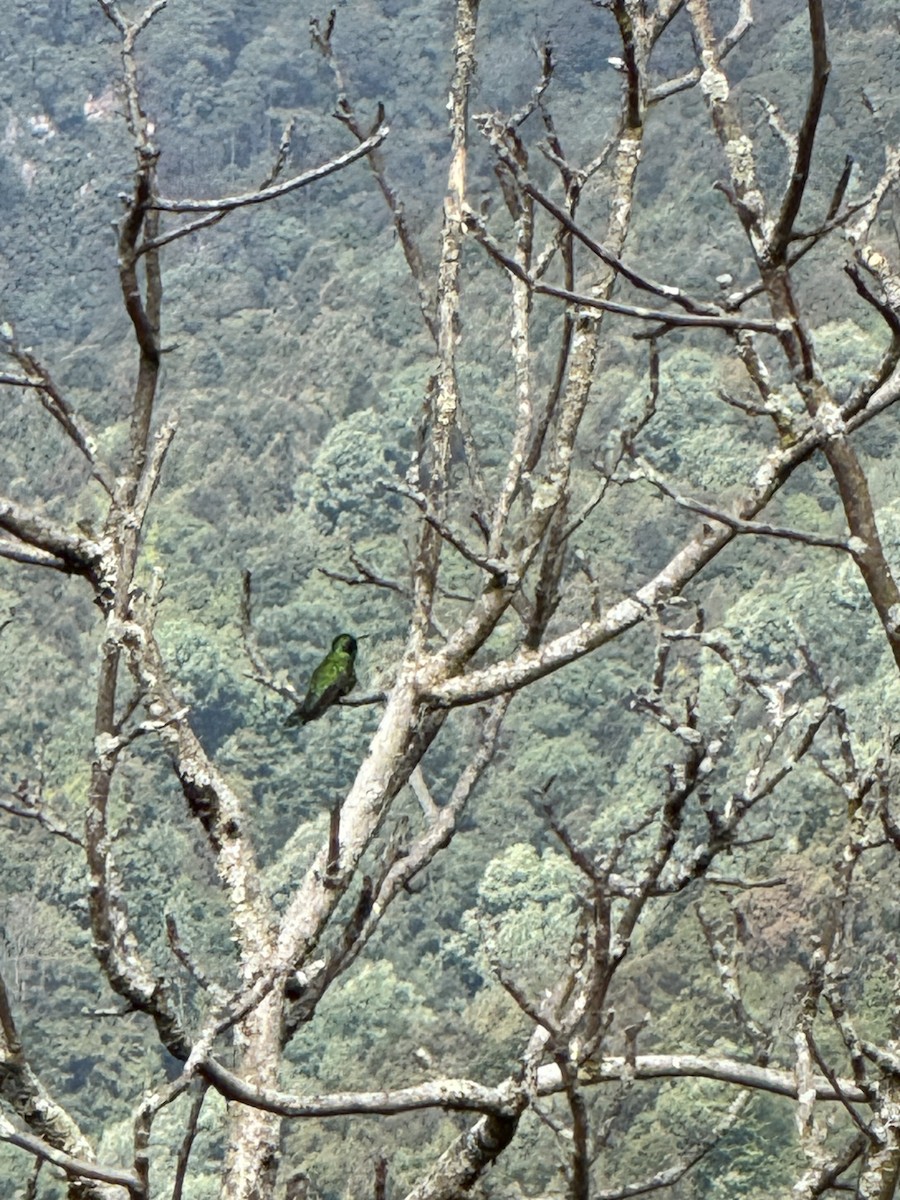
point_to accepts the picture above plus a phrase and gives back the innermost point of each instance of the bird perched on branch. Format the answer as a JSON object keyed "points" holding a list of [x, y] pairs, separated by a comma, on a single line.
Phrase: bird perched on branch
{"points": [[333, 678]]}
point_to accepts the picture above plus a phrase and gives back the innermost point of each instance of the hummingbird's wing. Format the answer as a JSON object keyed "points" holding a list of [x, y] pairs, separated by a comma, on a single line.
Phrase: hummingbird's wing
{"points": [[332, 679], [318, 700]]}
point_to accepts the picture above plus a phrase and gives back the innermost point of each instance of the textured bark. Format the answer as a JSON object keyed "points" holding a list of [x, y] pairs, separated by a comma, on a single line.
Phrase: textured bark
{"points": [[288, 962], [460, 1166], [53, 1128], [880, 1173]]}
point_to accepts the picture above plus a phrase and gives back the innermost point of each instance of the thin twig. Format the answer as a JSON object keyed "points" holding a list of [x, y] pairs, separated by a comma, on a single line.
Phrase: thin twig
{"points": [[199, 1088], [33, 813], [668, 320], [758, 528]]}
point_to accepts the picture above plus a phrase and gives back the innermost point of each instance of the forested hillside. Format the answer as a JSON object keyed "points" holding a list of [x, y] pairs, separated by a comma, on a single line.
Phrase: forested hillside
{"points": [[550, 349]]}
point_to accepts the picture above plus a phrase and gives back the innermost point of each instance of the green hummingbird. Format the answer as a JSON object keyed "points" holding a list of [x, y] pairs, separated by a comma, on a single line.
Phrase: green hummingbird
{"points": [[333, 677]]}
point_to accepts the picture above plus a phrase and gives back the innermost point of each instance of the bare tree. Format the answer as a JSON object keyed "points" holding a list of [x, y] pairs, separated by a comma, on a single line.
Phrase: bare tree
{"points": [[702, 833]]}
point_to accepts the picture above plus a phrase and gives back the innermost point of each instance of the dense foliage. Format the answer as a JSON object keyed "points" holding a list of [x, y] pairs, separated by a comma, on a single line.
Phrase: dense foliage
{"points": [[297, 363]]}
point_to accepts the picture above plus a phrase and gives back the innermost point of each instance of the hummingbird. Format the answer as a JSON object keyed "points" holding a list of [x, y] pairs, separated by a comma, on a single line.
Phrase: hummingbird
{"points": [[334, 677]]}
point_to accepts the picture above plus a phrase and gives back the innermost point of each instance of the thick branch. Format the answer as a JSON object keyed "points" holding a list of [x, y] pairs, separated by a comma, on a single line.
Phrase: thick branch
{"points": [[459, 1166], [504, 1100], [452, 1094], [442, 824], [445, 400], [55, 546]]}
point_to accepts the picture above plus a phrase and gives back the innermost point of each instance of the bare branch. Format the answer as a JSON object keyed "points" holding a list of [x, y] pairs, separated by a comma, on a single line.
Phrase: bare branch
{"points": [[136, 118], [18, 381], [832, 1078], [53, 1132], [218, 993], [442, 821], [702, 548], [726, 45], [454, 1094], [152, 470], [466, 1095], [464, 1161], [793, 197], [776, 120], [881, 303], [77, 1168], [669, 1176], [759, 528], [163, 239], [496, 567], [184, 1150], [430, 809], [444, 398], [673, 320], [868, 209], [262, 195], [322, 40], [32, 812], [640, 281], [727, 971], [545, 55], [149, 1108], [367, 575], [819, 1180], [45, 542], [261, 673], [54, 402]]}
